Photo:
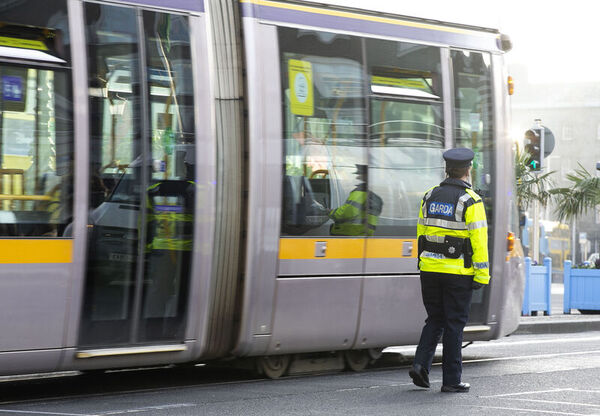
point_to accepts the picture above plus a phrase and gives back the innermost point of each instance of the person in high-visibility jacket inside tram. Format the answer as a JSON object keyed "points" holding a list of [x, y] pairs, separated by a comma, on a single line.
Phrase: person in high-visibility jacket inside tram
{"points": [[359, 215]]}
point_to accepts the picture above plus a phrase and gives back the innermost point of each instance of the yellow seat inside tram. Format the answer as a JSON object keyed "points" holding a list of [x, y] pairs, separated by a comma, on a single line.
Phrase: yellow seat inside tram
{"points": [[12, 190], [12, 183]]}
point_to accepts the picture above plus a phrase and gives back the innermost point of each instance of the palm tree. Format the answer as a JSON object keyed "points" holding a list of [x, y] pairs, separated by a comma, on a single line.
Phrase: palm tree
{"points": [[577, 199], [582, 195]]}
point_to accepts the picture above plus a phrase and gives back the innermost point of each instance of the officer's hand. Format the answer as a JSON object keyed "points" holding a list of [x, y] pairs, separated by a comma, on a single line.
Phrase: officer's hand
{"points": [[476, 285]]}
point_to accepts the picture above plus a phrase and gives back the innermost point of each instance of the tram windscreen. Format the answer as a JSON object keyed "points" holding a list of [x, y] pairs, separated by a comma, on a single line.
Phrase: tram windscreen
{"points": [[474, 123], [474, 128]]}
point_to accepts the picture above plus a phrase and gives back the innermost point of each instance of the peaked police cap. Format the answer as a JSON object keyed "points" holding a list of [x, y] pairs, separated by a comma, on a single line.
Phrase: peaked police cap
{"points": [[460, 157]]}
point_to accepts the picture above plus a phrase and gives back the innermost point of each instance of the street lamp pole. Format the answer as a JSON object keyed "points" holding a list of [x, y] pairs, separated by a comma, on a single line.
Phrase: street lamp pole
{"points": [[535, 243]]}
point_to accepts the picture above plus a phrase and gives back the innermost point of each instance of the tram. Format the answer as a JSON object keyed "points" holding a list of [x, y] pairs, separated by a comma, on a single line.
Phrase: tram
{"points": [[168, 170]]}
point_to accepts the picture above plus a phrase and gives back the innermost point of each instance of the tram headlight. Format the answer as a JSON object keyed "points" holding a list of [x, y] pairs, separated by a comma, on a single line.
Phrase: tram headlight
{"points": [[511, 85]]}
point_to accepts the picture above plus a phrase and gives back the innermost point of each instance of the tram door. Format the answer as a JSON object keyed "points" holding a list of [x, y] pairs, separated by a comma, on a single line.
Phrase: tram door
{"points": [[141, 183]]}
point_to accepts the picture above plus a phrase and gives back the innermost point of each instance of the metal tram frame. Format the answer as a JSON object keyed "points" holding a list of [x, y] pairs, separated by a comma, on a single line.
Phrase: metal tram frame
{"points": [[254, 293]]}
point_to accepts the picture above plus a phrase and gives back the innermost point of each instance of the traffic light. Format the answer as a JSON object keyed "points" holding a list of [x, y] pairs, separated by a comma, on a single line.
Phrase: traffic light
{"points": [[534, 162]]}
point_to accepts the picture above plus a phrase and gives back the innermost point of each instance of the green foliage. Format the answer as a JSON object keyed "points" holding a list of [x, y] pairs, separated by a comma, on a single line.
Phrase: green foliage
{"points": [[531, 185], [577, 199]]}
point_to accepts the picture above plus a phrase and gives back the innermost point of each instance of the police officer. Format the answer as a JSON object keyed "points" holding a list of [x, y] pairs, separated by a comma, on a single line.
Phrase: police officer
{"points": [[361, 205], [453, 260]]}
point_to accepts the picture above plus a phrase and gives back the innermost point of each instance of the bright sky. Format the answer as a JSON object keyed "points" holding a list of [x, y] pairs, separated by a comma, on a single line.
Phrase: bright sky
{"points": [[555, 40]]}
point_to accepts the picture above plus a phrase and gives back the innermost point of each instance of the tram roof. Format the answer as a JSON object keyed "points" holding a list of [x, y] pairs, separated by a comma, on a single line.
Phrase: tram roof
{"points": [[186, 5], [381, 20], [440, 22], [468, 13]]}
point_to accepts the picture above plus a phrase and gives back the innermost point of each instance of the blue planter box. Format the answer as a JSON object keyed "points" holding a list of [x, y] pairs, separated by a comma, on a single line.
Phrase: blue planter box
{"points": [[582, 288], [538, 285]]}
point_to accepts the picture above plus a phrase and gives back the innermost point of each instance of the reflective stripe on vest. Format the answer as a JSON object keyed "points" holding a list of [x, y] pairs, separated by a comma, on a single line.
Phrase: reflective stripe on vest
{"points": [[469, 209], [350, 222], [173, 228]]}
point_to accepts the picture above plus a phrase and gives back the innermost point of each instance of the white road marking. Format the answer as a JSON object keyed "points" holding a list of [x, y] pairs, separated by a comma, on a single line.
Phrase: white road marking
{"points": [[522, 393], [586, 391], [490, 344], [549, 412], [34, 412], [528, 357], [554, 402], [147, 409]]}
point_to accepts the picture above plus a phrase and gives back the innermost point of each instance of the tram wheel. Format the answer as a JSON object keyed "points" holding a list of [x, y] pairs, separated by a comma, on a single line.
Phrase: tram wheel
{"points": [[273, 366], [357, 360], [375, 354]]}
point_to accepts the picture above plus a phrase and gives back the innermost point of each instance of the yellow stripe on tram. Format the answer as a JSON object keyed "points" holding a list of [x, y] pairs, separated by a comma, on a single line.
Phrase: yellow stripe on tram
{"points": [[13, 251], [352, 15], [337, 248], [389, 248], [344, 248]]}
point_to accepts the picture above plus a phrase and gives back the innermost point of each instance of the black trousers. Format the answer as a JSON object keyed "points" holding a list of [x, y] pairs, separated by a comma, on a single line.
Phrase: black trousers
{"points": [[447, 299]]}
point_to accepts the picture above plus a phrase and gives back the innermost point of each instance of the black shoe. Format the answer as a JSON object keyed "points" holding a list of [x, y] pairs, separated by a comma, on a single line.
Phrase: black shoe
{"points": [[457, 388], [419, 376]]}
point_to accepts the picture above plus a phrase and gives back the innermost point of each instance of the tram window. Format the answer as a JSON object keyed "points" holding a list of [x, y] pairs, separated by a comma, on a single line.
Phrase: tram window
{"points": [[169, 72], [171, 195], [324, 130], [115, 181], [36, 135], [474, 124], [114, 100], [121, 154], [406, 133]]}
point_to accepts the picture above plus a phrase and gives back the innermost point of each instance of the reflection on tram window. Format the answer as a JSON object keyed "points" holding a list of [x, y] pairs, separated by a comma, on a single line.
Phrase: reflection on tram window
{"points": [[474, 116], [324, 127], [115, 173], [360, 213], [126, 278], [171, 192], [114, 98], [406, 133], [36, 136], [473, 128]]}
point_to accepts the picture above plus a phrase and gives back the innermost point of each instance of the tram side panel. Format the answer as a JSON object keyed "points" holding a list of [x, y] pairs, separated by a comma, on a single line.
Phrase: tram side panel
{"points": [[169, 320], [291, 302], [264, 190], [317, 294], [406, 137], [36, 158], [320, 137], [33, 310]]}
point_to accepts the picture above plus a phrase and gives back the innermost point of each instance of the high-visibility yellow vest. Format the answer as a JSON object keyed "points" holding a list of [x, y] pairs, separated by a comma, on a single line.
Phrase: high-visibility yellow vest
{"points": [[358, 215], [453, 209], [172, 226]]}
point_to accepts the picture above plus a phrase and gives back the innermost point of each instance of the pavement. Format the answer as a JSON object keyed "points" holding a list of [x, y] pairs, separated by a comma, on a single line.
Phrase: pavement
{"points": [[558, 322]]}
